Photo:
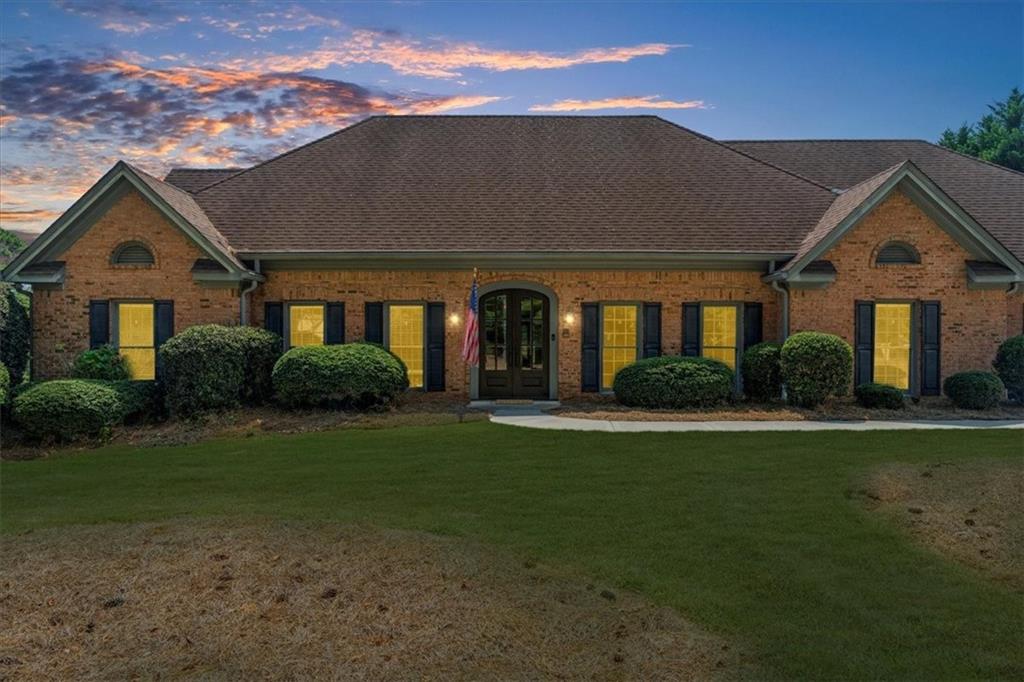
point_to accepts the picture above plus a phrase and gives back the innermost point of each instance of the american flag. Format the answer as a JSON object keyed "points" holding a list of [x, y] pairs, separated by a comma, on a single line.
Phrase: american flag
{"points": [[471, 341]]}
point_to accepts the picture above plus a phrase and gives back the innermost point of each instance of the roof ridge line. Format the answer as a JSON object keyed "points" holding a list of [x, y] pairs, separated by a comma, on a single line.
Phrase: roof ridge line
{"points": [[826, 139], [749, 156], [284, 154], [973, 158]]}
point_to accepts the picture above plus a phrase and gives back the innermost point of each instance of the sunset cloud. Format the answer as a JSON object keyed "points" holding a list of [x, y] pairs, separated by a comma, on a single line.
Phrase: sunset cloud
{"points": [[438, 58], [30, 216], [646, 102]]}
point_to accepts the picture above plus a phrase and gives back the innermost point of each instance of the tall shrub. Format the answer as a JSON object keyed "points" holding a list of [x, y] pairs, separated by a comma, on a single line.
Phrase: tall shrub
{"points": [[762, 371], [15, 339], [1009, 365], [815, 367], [5, 386], [261, 349], [203, 369]]}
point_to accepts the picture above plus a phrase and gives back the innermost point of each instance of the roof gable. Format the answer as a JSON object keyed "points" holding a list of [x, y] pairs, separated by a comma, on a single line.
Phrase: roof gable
{"points": [[176, 205]]}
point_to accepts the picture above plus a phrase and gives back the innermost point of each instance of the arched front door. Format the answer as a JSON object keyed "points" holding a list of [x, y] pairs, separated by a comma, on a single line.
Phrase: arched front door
{"points": [[514, 344]]}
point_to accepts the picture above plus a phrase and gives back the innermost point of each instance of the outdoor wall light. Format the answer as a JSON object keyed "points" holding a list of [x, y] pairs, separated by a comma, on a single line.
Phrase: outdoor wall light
{"points": [[454, 318], [570, 319]]}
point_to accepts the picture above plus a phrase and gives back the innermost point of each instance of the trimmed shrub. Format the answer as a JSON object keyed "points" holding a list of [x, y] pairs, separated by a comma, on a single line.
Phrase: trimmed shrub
{"points": [[1009, 365], [5, 386], [140, 400], [974, 390], [15, 331], [762, 371], [815, 367], [203, 369], [352, 375], [879, 396], [673, 382], [100, 363], [261, 349], [67, 409]]}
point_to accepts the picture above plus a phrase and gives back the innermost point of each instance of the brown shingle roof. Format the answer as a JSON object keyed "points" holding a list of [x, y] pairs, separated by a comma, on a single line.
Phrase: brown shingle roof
{"points": [[194, 179], [992, 195], [515, 184]]}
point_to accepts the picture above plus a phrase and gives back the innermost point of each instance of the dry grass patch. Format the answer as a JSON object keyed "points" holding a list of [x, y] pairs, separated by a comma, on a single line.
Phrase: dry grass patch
{"points": [[969, 511], [290, 600], [841, 409]]}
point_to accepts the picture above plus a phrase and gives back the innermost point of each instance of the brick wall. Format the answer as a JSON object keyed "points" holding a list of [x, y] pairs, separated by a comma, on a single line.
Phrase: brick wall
{"points": [[671, 289], [974, 322], [60, 317]]}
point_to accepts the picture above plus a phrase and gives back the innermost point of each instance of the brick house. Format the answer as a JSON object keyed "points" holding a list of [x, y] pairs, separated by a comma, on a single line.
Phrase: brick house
{"points": [[598, 240]]}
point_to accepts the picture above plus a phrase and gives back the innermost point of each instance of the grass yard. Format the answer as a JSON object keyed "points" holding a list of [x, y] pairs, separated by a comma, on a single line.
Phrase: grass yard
{"points": [[763, 539]]}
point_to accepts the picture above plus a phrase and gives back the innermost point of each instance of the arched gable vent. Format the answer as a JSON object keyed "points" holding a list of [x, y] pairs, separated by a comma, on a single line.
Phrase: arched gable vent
{"points": [[897, 253], [132, 253]]}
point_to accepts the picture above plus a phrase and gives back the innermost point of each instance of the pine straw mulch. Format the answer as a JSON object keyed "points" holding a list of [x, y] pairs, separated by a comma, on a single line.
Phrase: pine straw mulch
{"points": [[845, 409], [969, 511], [303, 601]]}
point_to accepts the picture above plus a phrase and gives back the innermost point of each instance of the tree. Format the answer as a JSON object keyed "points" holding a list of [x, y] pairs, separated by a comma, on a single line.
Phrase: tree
{"points": [[998, 137], [10, 245]]}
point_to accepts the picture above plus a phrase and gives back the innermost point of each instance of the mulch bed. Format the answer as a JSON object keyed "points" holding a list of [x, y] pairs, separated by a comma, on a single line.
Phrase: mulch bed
{"points": [[302, 601], [970, 511]]}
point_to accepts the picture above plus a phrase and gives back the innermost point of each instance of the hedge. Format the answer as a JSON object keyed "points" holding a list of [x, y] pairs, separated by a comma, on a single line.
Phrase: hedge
{"points": [[203, 369], [5, 386], [261, 349], [974, 390], [15, 331], [67, 409], [815, 367], [879, 396], [762, 371], [100, 363], [140, 400], [353, 375], [673, 382], [1009, 365]]}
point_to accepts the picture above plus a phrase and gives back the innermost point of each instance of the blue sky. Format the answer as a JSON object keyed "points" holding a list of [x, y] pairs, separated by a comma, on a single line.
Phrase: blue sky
{"points": [[218, 83]]}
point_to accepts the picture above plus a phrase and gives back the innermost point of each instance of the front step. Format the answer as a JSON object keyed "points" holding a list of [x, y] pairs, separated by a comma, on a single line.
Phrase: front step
{"points": [[514, 404]]}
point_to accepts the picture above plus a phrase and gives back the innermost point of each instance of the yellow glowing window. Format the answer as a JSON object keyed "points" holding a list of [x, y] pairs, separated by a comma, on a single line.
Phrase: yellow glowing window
{"points": [[135, 339], [405, 339], [892, 344], [305, 325], [718, 332], [618, 341]]}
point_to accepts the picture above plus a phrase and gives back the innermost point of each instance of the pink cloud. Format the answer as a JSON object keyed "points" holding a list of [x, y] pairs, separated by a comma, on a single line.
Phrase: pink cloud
{"points": [[645, 102]]}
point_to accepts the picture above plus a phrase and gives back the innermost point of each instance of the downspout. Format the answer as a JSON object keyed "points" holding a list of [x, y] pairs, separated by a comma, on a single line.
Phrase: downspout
{"points": [[784, 294], [1014, 288], [244, 299]]}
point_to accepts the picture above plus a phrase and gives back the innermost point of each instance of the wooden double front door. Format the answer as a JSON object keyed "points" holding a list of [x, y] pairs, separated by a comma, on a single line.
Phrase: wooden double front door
{"points": [[515, 344]]}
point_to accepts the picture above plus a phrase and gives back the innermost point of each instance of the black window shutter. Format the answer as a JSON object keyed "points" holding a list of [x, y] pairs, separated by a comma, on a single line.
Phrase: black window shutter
{"points": [[864, 342], [931, 346], [435, 347], [591, 352], [753, 324], [99, 323], [334, 323], [163, 321], [652, 330], [374, 321], [273, 318], [691, 329]]}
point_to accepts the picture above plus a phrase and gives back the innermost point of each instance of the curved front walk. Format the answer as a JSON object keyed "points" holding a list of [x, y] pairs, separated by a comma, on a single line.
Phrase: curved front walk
{"points": [[535, 419]]}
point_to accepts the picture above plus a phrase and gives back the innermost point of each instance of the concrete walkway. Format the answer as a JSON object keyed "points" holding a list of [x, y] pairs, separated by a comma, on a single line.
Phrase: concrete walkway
{"points": [[534, 418]]}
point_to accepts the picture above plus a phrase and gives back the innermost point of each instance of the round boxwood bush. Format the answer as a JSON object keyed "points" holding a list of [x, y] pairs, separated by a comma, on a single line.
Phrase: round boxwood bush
{"points": [[353, 375], [815, 367], [67, 409], [879, 396], [762, 371], [15, 332], [673, 382], [100, 363], [261, 349], [203, 369], [974, 390], [1009, 365], [139, 400], [5, 385]]}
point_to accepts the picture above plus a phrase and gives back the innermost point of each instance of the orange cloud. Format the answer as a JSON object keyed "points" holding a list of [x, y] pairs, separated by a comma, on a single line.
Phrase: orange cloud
{"points": [[439, 59], [646, 102], [30, 216]]}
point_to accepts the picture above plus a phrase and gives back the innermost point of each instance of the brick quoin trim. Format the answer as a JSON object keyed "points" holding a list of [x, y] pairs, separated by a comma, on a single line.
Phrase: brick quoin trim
{"points": [[60, 316], [974, 322]]}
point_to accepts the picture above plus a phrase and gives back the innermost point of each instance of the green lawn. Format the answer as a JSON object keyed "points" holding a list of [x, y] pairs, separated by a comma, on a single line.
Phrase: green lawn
{"points": [[756, 536]]}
